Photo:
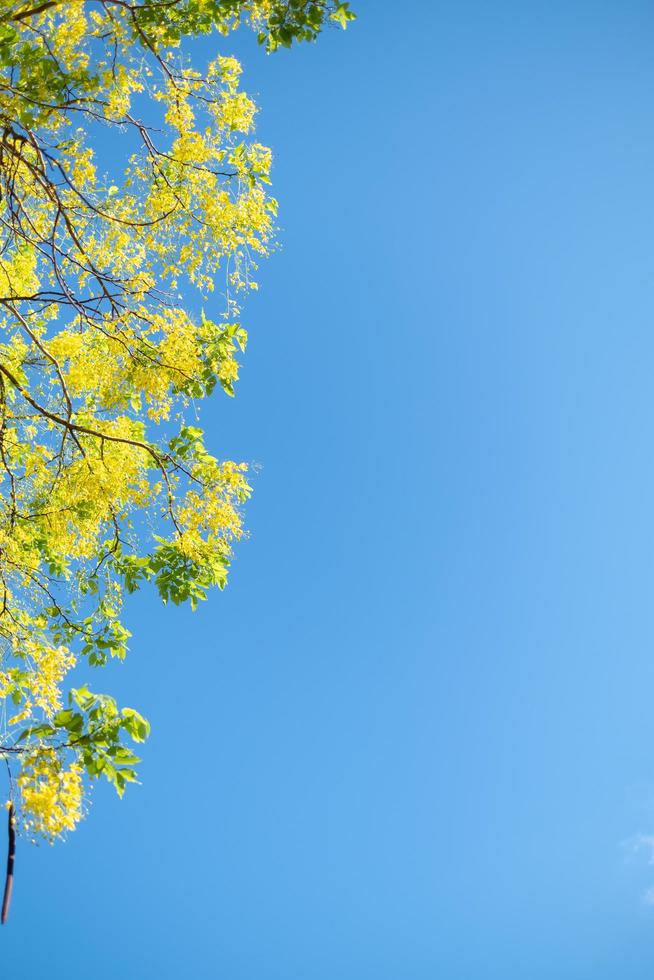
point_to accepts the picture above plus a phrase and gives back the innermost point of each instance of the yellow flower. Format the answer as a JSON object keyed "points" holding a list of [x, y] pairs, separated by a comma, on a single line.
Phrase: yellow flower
{"points": [[51, 795]]}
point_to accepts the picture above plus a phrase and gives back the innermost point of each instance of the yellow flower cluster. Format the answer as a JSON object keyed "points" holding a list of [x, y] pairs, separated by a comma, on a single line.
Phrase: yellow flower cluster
{"points": [[38, 681], [49, 665], [51, 795]]}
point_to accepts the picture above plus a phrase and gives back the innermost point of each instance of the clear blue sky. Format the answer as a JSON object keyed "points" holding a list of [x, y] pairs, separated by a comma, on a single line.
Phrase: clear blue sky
{"points": [[414, 739]]}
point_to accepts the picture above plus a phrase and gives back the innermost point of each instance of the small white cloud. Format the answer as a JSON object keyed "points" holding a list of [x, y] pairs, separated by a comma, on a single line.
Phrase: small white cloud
{"points": [[642, 842], [648, 896]]}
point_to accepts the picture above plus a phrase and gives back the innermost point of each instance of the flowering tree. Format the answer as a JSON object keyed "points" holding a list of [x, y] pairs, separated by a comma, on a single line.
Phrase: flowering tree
{"points": [[106, 484]]}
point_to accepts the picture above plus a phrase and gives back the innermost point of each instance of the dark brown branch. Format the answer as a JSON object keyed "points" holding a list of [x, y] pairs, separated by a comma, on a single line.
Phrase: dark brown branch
{"points": [[11, 852]]}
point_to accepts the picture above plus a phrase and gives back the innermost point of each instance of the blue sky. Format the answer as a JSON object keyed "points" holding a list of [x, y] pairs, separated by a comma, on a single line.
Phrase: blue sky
{"points": [[414, 739]]}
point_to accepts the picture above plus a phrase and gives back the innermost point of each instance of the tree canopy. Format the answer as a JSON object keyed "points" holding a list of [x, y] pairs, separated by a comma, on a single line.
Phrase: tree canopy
{"points": [[121, 282]]}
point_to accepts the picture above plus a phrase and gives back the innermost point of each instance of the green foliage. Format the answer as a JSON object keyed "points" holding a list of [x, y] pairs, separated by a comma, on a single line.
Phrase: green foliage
{"points": [[106, 481]]}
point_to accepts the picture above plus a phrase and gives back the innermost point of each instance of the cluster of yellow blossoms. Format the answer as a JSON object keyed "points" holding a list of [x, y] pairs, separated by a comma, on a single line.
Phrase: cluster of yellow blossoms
{"points": [[38, 680], [51, 795]]}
